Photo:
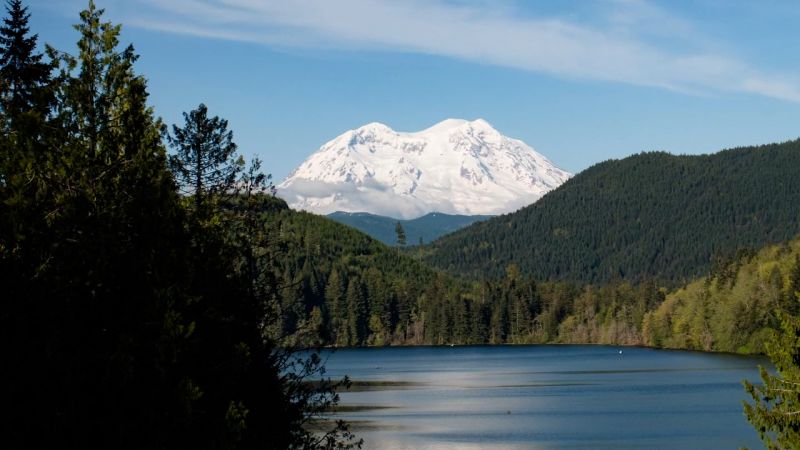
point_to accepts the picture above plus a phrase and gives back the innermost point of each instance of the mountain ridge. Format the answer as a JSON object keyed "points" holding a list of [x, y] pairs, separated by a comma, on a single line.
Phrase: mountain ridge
{"points": [[650, 215]]}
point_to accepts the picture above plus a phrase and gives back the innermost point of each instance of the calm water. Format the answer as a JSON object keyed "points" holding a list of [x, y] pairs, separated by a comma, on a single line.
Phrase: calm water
{"points": [[531, 397]]}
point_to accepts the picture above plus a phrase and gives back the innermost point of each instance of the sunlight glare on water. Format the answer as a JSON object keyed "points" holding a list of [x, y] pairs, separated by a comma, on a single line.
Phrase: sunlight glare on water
{"points": [[531, 397]]}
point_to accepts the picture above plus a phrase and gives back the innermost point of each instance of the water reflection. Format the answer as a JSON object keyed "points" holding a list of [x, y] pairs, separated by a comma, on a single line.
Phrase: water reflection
{"points": [[529, 397]]}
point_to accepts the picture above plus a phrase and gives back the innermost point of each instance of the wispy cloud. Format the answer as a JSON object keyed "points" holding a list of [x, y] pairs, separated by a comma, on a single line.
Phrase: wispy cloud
{"points": [[629, 41]]}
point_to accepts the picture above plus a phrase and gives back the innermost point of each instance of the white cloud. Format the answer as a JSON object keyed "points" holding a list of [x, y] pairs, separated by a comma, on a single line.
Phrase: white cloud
{"points": [[637, 43]]}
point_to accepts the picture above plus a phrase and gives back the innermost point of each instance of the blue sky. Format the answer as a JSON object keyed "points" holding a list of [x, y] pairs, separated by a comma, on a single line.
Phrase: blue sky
{"points": [[582, 82]]}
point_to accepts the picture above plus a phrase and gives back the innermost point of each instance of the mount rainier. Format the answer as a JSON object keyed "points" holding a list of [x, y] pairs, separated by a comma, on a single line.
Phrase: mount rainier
{"points": [[454, 167]]}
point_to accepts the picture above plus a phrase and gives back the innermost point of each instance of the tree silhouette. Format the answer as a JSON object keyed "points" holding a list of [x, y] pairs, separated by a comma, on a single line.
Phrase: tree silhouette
{"points": [[21, 69], [205, 163]]}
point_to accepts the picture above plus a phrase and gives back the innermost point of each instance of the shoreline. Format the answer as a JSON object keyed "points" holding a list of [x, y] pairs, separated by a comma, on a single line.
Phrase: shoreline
{"points": [[553, 344]]}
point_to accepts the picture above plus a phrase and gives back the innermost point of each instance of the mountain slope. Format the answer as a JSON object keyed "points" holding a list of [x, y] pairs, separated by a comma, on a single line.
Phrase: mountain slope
{"points": [[454, 167], [648, 215], [427, 228]]}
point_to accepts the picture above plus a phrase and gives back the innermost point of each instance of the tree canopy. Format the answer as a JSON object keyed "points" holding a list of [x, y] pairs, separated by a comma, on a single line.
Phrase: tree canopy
{"points": [[131, 321], [205, 162]]}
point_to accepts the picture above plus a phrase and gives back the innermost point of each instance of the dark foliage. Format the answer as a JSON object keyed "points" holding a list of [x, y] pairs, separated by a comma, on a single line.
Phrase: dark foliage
{"points": [[205, 163], [22, 69], [129, 320]]}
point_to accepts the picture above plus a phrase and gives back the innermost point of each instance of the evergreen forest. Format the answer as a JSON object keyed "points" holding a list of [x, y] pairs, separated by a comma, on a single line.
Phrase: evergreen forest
{"points": [[651, 215]]}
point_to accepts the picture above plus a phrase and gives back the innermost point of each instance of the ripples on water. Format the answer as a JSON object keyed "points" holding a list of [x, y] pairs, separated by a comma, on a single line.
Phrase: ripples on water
{"points": [[531, 397]]}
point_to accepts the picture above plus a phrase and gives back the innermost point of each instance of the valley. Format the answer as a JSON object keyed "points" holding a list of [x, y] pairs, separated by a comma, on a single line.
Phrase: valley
{"points": [[417, 231]]}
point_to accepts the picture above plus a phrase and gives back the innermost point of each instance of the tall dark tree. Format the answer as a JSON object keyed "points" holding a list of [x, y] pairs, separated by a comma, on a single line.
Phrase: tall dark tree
{"points": [[357, 312], [205, 162], [100, 310], [337, 305], [25, 103], [401, 235], [22, 70]]}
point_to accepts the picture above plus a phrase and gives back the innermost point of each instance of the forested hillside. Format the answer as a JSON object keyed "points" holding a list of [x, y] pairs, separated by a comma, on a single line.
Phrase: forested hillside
{"points": [[340, 286], [343, 288], [649, 215]]}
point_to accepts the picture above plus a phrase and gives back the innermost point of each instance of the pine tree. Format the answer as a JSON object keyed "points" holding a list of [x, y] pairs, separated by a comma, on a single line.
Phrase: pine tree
{"points": [[22, 71], [25, 104], [401, 235], [461, 323], [100, 311], [205, 162], [336, 303], [792, 303], [357, 312]]}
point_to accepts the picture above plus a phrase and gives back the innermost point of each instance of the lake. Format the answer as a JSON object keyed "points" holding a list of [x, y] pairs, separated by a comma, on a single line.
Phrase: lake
{"points": [[544, 396]]}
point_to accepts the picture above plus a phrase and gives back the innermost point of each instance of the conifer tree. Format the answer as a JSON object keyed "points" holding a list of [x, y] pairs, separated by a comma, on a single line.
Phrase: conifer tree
{"points": [[401, 235], [792, 303], [25, 104], [337, 305], [205, 161], [100, 271], [357, 312], [22, 70]]}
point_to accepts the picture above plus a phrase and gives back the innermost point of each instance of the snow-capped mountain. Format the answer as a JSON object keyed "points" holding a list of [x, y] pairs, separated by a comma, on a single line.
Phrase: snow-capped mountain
{"points": [[454, 167]]}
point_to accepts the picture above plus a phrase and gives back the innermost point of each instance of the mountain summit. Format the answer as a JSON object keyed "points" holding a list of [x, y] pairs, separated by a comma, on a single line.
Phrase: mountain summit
{"points": [[454, 167]]}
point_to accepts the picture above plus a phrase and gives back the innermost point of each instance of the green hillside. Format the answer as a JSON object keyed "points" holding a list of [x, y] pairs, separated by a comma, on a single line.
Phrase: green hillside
{"points": [[649, 215], [341, 286]]}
